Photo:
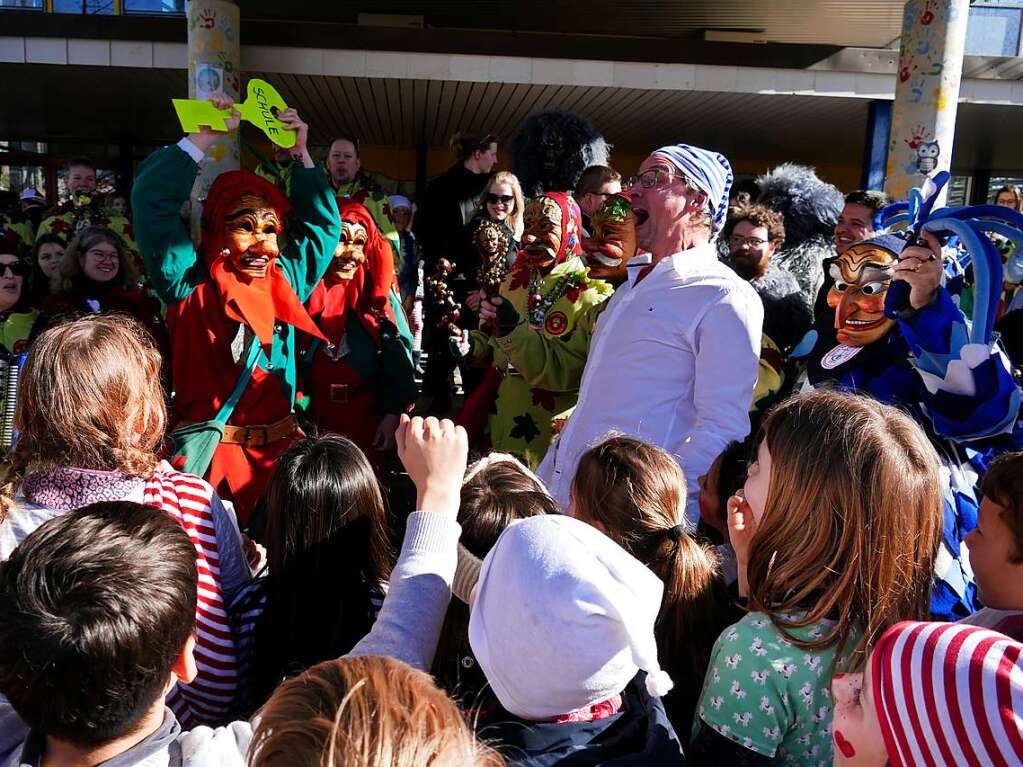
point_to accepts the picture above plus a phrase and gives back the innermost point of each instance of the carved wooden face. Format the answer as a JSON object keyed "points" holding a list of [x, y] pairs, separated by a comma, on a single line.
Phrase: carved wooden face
{"points": [[251, 228], [614, 239], [862, 275], [541, 238], [491, 241], [350, 252]]}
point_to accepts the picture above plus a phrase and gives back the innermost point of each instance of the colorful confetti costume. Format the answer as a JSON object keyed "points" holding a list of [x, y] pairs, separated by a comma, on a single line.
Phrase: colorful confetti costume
{"points": [[549, 308], [952, 376], [769, 696], [69, 218]]}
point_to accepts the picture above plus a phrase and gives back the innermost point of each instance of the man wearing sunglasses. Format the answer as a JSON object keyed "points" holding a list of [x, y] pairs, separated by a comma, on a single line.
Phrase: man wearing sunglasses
{"points": [[673, 359]]}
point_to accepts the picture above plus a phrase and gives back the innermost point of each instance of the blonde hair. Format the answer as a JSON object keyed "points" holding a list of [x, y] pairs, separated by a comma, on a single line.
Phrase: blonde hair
{"points": [[852, 521], [637, 493], [515, 217], [365, 712], [127, 276], [89, 397]]}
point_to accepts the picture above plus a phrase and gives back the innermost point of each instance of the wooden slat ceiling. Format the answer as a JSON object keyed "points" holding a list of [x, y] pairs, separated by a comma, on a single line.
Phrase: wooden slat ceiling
{"points": [[390, 112], [836, 22], [134, 104]]}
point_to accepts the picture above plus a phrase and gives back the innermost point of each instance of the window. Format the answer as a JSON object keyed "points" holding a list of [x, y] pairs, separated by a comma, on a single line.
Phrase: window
{"points": [[19, 177], [994, 31], [959, 188], [87, 7], [23, 5], [153, 6], [997, 182]]}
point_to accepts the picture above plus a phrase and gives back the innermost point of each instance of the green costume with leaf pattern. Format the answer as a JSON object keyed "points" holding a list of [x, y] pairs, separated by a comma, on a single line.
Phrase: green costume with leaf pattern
{"points": [[549, 309]]}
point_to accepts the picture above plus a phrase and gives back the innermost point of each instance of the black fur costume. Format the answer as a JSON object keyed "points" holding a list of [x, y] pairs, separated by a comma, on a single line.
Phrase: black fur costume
{"points": [[552, 150]]}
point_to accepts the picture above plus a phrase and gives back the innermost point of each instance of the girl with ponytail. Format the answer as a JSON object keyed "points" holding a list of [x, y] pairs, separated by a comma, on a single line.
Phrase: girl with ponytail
{"points": [[636, 494]]}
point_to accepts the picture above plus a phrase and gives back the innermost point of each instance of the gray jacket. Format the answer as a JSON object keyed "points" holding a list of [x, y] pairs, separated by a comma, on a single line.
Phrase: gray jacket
{"points": [[407, 629]]}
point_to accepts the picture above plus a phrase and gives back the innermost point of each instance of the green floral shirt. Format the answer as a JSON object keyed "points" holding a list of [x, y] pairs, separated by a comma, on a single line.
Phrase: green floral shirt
{"points": [[770, 696]]}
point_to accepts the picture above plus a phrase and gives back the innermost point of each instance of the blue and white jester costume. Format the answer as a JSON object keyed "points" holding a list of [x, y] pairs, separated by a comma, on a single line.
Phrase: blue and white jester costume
{"points": [[949, 372]]}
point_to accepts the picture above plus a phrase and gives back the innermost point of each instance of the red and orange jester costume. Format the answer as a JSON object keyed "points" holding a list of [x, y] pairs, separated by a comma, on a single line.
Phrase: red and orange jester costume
{"points": [[238, 299], [362, 377]]}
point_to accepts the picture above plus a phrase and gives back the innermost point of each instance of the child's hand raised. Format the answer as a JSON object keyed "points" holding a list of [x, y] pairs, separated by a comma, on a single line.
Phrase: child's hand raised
{"points": [[435, 454], [741, 527]]}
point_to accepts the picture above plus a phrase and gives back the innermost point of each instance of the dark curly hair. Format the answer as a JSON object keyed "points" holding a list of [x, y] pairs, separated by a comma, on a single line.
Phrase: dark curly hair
{"points": [[758, 215]]}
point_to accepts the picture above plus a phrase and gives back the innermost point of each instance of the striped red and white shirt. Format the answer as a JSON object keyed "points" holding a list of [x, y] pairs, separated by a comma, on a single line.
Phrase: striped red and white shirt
{"points": [[209, 698]]}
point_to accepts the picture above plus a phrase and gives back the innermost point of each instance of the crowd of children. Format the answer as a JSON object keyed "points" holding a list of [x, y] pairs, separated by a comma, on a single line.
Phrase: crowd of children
{"points": [[139, 625]]}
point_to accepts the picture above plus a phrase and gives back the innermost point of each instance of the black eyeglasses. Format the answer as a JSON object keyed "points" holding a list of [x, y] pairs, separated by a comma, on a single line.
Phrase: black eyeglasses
{"points": [[17, 269], [493, 199], [657, 176], [737, 241]]}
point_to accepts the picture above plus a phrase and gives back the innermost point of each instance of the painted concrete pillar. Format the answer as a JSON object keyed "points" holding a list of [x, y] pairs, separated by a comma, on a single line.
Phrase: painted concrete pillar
{"points": [[214, 69], [926, 92]]}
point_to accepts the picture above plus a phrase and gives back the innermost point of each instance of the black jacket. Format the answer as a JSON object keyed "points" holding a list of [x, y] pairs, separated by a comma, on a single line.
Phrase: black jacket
{"points": [[447, 205], [640, 734]]}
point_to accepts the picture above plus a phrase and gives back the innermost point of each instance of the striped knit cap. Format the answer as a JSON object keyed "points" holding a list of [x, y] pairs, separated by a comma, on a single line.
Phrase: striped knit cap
{"points": [[949, 694], [710, 171]]}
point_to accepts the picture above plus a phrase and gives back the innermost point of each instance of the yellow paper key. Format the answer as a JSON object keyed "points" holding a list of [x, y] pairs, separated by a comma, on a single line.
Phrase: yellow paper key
{"points": [[261, 106]]}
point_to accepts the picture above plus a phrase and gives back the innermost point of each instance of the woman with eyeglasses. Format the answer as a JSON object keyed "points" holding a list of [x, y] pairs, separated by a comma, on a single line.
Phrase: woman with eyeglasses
{"points": [[16, 313], [98, 276]]}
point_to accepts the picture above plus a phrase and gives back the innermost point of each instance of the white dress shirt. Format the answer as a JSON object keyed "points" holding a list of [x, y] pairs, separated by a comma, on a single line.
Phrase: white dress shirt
{"points": [[673, 361]]}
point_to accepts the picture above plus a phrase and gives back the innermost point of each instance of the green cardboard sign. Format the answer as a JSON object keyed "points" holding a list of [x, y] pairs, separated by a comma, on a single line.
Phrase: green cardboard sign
{"points": [[261, 106]]}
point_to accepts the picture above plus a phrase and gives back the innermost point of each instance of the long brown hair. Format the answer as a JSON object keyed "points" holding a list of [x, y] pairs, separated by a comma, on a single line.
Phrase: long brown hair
{"points": [[89, 397], [852, 520], [365, 712], [637, 494], [71, 268], [328, 554]]}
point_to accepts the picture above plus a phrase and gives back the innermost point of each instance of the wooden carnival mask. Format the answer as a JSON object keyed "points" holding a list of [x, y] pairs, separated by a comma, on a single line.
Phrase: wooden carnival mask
{"points": [[862, 275], [613, 242], [491, 240], [542, 235], [350, 253], [251, 227]]}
